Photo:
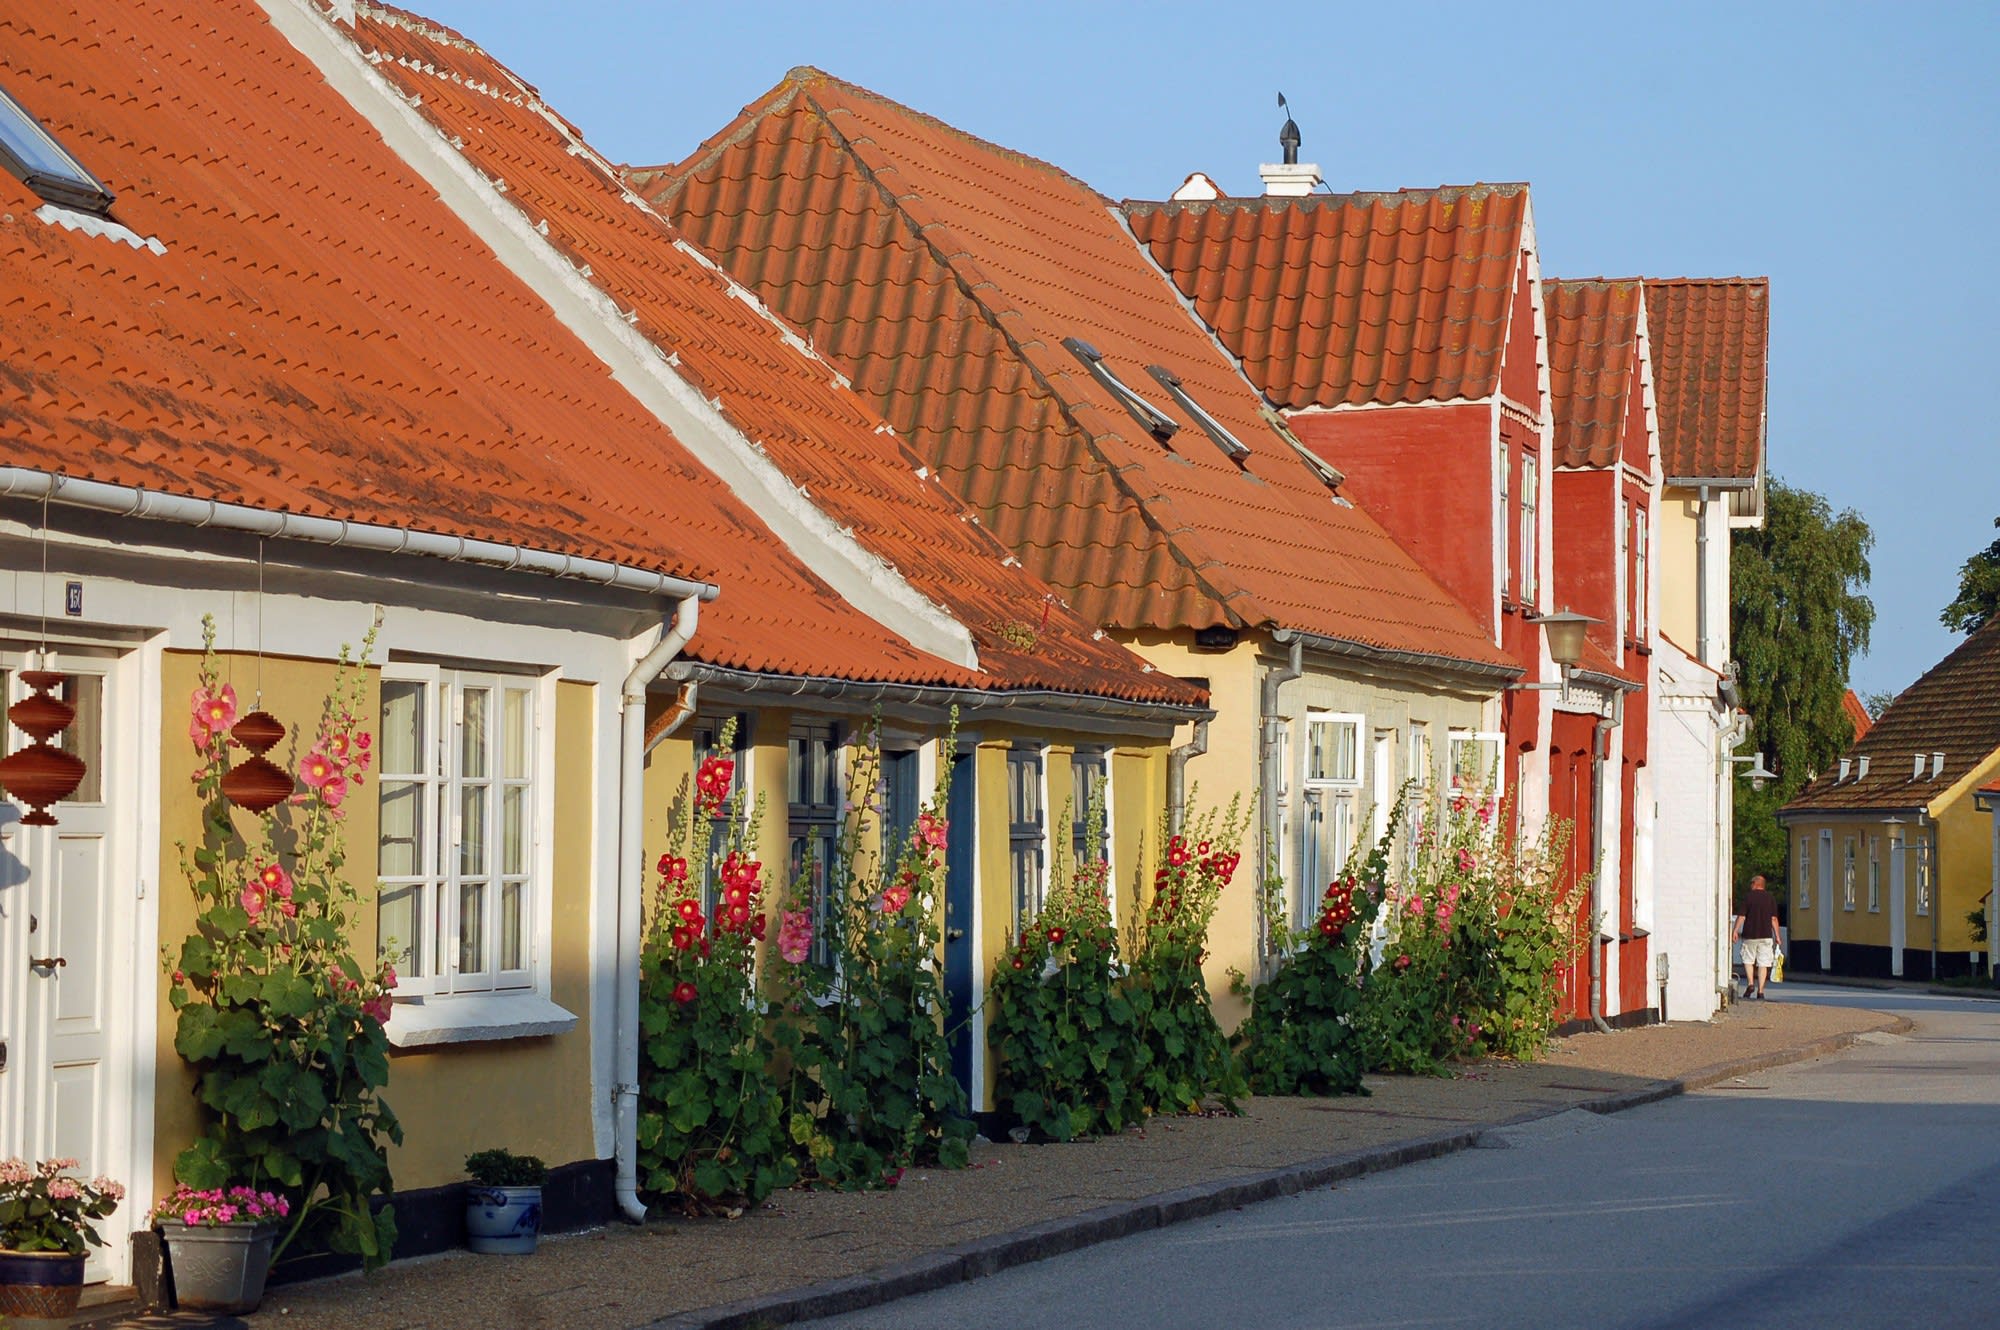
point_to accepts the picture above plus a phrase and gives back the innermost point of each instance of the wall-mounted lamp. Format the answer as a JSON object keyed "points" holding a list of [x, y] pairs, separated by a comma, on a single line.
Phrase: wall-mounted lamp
{"points": [[1758, 773], [1565, 630]]}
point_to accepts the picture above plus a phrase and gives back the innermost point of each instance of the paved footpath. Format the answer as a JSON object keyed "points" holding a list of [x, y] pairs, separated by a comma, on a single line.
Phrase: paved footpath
{"points": [[816, 1253]]}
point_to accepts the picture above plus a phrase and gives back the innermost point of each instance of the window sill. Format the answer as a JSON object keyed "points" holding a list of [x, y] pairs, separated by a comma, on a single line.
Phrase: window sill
{"points": [[475, 1018]]}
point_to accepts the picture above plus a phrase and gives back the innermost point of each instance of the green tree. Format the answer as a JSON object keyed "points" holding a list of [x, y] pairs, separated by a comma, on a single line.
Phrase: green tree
{"points": [[1978, 591], [1801, 615]]}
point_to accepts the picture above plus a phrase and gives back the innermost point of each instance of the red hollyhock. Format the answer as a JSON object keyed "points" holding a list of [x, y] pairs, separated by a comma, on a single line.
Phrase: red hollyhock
{"points": [[684, 992]]}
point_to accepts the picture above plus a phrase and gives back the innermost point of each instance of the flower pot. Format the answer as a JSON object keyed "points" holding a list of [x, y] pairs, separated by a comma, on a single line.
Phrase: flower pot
{"points": [[219, 1269], [40, 1284], [503, 1221]]}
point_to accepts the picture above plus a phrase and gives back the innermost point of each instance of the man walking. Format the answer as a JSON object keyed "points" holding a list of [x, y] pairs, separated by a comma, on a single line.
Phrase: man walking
{"points": [[1757, 929]]}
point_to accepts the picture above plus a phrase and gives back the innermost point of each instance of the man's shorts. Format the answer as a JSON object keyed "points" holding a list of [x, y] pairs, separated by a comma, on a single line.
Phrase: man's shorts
{"points": [[1759, 951]]}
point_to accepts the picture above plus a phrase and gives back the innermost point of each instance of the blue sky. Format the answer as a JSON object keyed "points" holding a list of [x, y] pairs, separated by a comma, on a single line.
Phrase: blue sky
{"points": [[1846, 151]]}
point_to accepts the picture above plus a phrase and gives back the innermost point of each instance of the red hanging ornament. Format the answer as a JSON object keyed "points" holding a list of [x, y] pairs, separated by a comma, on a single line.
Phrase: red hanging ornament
{"points": [[257, 783], [41, 774]]}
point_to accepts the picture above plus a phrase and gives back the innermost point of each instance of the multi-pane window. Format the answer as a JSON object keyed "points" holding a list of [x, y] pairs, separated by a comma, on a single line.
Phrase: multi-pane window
{"points": [[1923, 878], [1087, 787], [1802, 874], [1332, 793], [1638, 573], [1474, 762], [456, 854], [1530, 503], [1026, 831], [901, 799], [1418, 773], [812, 807], [1874, 874], [1847, 874]]}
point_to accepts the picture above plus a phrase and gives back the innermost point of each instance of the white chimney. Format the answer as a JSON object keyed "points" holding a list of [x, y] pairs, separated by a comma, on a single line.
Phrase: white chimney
{"points": [[1917, 772], [1861, 767], [1937, 765], [1289, 180], [1844, 766]]}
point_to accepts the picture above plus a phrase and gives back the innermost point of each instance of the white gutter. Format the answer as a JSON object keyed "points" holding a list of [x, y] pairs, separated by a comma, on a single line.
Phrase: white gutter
{"points": [[159, 506], [631, 886]]}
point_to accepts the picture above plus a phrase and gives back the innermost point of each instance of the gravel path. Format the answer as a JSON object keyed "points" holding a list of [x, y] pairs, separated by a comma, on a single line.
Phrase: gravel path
{"points": [[624, 1276]]}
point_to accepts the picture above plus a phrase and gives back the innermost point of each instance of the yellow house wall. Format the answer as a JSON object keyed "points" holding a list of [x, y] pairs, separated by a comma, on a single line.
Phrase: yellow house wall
{"points": [[530, 1095], [1678, 564]]}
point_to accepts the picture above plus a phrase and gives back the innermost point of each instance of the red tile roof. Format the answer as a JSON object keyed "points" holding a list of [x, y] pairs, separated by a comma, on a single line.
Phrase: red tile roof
{"points": [[944, 274], [1709, 341], [1857, 714], [1593, 331], [322, 335], [1350, 299], [790, 402], [1954, 709]]}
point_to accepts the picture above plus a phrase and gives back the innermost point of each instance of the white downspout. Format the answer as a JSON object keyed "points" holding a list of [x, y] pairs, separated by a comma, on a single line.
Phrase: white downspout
{"points": [[631, 883]]}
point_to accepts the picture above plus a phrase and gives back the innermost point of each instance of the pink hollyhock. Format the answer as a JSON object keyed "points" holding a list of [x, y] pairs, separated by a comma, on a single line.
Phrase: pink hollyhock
{"points": [[216, 711], [333, 791], [388, 976], [253, 900], [1451, 893], [290, 909], [1486, 811], [274, 879], [379, 1008], [931, 830], [316, 769], [895, 898], [795, 936], [711, 783], [1466, 863]]}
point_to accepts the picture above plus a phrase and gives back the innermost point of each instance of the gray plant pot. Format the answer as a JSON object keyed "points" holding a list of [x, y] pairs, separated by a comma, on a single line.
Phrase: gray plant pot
{"points": [[220, 1269], [502, 1221]]}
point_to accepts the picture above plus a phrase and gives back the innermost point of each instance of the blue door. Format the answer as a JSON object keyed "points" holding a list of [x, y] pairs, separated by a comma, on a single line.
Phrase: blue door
{"points": [[961, 850]]}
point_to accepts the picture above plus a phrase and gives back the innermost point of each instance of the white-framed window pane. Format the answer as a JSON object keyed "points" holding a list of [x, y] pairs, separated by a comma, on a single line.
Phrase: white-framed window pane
{"points": [[1874, 874], [471, 927], [400, 742], [1333, 749], [514, 830], [401, 829], [1475, 760], [472, 748], [516, 706], [513, 949], [1804, 873], [1847, 875], [1530, 500], [399, 920], [472, 846]]}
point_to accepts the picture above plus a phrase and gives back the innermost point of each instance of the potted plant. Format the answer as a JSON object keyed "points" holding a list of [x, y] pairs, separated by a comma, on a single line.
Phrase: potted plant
{"points": [[44, 1232], [503, 1207], [219, 1244]]}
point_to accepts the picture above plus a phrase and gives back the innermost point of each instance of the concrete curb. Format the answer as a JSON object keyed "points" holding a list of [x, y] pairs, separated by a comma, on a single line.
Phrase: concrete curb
{"points": [[1002, 1251]]}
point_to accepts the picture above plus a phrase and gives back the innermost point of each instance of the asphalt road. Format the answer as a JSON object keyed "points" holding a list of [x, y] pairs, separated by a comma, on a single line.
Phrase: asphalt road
{"points": [[1855, 1191]]}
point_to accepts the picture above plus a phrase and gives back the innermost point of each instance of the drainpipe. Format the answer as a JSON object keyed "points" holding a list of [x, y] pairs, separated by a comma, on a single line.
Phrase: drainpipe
{"points": [[1600, 747], [1701, 578], [1269, 726], [1177, 760], [631, 883]]}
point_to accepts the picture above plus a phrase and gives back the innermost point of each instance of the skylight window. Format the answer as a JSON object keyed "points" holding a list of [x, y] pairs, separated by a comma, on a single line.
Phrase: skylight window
{"points": [[1158, 424], [1232, 447], [31, 153]]}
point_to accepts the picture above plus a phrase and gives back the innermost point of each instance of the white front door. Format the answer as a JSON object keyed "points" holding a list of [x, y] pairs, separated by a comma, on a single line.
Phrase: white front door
{"points": [[60, 944], [1385, 780], [1899, 919]]}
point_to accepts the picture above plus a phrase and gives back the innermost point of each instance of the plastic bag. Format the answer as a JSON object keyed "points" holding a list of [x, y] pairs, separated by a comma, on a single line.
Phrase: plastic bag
{"points": [[1777, 967]]}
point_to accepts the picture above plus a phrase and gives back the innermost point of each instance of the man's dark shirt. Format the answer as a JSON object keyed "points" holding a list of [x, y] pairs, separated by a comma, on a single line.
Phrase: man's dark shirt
{"points": [[1760, 914]]}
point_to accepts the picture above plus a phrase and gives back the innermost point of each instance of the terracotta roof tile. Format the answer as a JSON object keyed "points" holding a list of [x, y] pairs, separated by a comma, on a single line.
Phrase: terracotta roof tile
{"points": [[943, 274], [1857, 714], [1593, 332], [1710, 338], [1349, 299], [323, 335], [1954, 709]]}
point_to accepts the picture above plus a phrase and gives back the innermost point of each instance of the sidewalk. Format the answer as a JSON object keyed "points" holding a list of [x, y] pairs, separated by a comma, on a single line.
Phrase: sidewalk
{"points": [[814, 1253]]}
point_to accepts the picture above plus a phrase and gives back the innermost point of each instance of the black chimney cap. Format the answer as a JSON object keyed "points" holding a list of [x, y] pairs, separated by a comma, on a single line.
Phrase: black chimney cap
{"points": [[1288, 137]]}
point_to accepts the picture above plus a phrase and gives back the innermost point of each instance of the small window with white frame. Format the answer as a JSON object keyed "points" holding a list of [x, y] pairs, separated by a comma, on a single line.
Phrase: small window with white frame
{"points": [[1027, 832], [1332, 800], [1923, 879], [1530, 545], [1847, 871], [1802, 873], [1638, 573], [1421, 779], [1089, 782], [1474, 762], [456, 861], [1874, 873], [812, 816]]}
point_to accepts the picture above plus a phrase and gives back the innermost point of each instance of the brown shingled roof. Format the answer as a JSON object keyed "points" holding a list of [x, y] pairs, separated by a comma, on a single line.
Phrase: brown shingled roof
{"points": [[1593, 334], [1349, 299], [1954, 709], [1709, 340], [944, 274]]}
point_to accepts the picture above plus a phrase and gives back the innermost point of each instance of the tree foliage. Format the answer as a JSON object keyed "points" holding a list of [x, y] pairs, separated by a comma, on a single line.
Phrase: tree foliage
{"points": [[1978, 591], [1801, 614]]}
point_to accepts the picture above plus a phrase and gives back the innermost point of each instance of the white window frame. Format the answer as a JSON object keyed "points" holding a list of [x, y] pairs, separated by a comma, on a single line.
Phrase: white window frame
{"points": [[1027, 905], [1638, 573], [1336, 799], [1455, 739], [1529, 581], [1802, 870], [1874, 873], [1417, 769], [1847, 867], [441, 871], [1922, 850]]}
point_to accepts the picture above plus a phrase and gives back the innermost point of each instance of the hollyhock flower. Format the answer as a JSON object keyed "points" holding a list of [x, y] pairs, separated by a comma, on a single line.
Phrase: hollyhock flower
{"points": [[253, 901], [758, 926], [289, 909], [895, 898], [217, 710], [689, 909], [1486, 811], [931, 831], [1414, 905], [275, 880], [684, 992], [673, 868], [795, 936], [1402, 962], [1451, 893], [380, 1008], [316, 769], [711, 782], [198, 732], [683, 937], [64, 1189], [1056, 935], [389, 976], [1327, 927], [179, 978], [1177, 852], [734, 895], [333, 791]]}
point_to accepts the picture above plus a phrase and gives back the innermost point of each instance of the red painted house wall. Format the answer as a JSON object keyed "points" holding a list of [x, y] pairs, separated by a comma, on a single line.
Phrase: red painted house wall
{"points": [[1587, 553], [1570, 799]]}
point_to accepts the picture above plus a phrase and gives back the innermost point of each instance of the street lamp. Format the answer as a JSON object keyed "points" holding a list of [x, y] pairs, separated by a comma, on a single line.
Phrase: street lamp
{"points": [[1758, 773], [1565, 631]]}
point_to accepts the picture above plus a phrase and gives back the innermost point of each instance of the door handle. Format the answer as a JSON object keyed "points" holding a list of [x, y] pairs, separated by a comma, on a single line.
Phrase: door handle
{"points": [[46, 962], [953, 934]]}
